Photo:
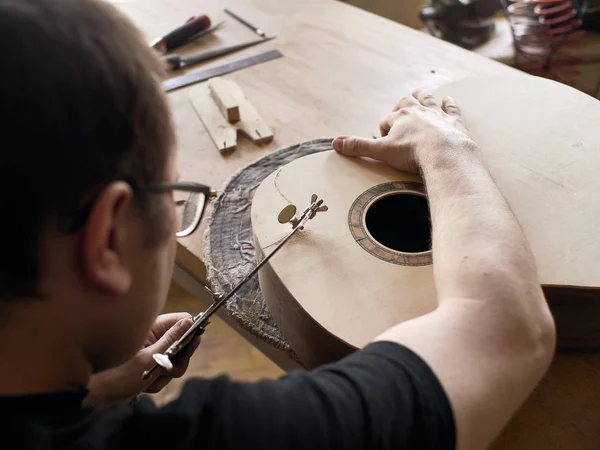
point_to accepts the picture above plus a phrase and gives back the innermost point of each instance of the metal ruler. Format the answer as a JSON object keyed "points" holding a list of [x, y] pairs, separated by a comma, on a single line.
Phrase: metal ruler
{"points": [[202, 75]]}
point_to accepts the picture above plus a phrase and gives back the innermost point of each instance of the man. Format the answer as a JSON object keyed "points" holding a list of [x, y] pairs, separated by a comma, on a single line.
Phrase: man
{"points": [[87, 159]]}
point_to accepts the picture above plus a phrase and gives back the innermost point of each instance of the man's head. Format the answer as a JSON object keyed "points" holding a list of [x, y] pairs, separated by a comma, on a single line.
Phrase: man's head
{"points": [[84, 129]]}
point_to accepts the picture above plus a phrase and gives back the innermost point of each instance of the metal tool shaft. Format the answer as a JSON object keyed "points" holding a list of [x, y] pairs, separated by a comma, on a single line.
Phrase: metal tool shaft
{"points": [[201, 320], [208, 55]]}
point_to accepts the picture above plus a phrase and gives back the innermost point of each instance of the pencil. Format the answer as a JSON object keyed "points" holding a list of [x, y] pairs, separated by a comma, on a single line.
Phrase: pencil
{"points": [[258, 31]]}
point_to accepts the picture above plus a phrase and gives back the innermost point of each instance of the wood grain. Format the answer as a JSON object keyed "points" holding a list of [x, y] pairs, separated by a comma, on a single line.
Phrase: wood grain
{"points": [[344, 69]]}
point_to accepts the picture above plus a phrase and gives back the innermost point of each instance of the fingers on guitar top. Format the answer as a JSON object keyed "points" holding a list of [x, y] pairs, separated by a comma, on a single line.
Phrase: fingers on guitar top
{"points": [[419, 97], [424, 98], [387, 122], [450, 107], [357, 146], [405, 102]]}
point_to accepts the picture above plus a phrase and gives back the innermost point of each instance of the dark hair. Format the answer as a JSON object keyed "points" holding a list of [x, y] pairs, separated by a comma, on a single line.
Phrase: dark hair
{"points": [[80, 105]]}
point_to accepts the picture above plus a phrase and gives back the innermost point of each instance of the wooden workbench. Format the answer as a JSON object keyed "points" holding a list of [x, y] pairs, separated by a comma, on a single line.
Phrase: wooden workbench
{"points": [[343, 69]]}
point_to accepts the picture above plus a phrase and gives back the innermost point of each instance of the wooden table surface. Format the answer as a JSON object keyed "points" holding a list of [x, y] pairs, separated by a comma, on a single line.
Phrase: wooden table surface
{"points": [[343, 69]]}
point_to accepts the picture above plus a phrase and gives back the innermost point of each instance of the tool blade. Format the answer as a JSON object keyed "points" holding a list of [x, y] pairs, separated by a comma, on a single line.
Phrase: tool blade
{"points": [[210, 54]]}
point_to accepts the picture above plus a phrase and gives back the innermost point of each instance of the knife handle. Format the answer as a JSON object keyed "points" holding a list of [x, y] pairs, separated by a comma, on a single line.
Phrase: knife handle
{"points": [[183, 34]]}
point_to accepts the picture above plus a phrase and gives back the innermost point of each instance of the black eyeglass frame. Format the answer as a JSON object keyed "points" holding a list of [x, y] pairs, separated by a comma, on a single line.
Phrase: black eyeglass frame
{"points": [[75, 221]]}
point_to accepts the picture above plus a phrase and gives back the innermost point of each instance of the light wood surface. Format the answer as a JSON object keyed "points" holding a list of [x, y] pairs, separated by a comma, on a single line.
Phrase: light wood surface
{"points": [[342, 70]]}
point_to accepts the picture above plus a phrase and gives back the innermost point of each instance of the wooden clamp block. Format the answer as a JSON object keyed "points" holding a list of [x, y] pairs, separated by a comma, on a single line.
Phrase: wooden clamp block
{"points": [[221, 94], [224, 109]]}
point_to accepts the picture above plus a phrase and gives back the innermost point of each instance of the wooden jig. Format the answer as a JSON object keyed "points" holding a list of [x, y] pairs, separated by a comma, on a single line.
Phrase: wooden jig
{"points": [[224, 109]]}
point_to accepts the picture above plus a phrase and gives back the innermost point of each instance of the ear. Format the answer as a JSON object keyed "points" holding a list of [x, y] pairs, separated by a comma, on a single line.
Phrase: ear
{"points": [[103, 240]]}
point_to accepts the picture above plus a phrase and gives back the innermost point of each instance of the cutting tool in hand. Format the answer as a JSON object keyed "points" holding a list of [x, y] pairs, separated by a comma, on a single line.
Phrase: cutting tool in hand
{"points": [[165, 360]]}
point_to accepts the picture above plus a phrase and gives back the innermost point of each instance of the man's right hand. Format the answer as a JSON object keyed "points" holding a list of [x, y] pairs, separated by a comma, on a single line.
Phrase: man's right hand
{"points": [[418, 124], [121, 384]]}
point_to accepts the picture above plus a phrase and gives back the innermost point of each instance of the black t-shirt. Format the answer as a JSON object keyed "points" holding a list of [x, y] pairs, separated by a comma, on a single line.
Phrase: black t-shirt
{"points": [[383, 397]]}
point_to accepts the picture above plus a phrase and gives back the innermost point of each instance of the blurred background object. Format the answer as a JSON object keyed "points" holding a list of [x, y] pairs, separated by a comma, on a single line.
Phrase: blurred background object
{"points": [[467, 23], [541, 27], [556, 39], [591, 18]]}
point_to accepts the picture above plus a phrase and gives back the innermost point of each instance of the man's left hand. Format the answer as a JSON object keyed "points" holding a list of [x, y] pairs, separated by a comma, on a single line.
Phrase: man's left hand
{"points": [[121, 384]]}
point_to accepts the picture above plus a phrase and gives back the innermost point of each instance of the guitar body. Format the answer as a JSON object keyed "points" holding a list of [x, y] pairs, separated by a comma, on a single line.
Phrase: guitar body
{"points": [[365, 264]]}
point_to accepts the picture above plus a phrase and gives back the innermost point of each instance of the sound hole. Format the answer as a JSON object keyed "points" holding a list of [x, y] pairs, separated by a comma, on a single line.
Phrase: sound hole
{"points": [[400, 222]]}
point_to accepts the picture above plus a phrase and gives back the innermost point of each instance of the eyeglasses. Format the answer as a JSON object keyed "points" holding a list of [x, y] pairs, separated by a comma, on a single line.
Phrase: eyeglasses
{"points": [[193, 207], [190, 215]]}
